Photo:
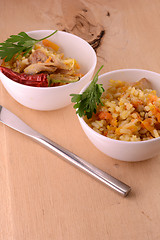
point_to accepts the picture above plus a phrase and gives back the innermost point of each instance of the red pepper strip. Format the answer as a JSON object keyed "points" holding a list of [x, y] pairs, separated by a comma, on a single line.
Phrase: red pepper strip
{"points": [[37, 80]]}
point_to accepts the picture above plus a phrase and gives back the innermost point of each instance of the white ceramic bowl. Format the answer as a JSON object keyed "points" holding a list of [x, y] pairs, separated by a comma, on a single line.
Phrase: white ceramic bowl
{"points": [[51, 98], [123, 150]]}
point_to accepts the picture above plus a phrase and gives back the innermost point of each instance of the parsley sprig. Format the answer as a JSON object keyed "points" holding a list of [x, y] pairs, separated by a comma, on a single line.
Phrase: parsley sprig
{"points": [[17, 44], [87, 102]]}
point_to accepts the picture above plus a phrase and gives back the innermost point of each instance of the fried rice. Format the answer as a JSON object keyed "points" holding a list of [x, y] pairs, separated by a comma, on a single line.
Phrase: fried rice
{"points": [[129, 112]]}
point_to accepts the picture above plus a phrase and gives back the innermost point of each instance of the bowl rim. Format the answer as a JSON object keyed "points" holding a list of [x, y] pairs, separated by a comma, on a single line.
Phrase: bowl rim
{"points": [[62, 86], [104, 138]]}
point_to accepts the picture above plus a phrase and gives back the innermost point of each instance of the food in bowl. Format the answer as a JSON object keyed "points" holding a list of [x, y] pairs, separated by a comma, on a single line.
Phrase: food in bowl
{"points": [[129, 112], [52, 98], [126, 111], [130, 151], [37, 63]]}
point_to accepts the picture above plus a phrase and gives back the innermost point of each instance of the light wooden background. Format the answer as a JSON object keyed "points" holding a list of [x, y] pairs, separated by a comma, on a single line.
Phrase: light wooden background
{"points": [[42, 196]]}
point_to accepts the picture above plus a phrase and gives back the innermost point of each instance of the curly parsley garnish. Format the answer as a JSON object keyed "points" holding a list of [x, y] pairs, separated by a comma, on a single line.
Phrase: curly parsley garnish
{"points": [[87, 102], [17, 44]]}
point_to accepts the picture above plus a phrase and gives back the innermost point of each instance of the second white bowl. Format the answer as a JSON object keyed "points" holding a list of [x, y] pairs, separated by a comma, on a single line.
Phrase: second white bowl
{"points": [[123, 150]]}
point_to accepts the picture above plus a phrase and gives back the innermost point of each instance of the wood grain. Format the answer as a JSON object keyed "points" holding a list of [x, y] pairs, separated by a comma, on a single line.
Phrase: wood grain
{"points": [[42, 196]]}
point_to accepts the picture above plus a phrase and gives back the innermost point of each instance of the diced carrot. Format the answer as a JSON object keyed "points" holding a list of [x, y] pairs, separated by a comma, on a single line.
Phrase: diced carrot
{"points": [[105, 133], [105, 115], [123, 89], [158, 117], [48, 59], [153, 109], [152, 98], [114, 122], [107, 96], [77, 65], [112, 128], [147, 124], [50, 44]]}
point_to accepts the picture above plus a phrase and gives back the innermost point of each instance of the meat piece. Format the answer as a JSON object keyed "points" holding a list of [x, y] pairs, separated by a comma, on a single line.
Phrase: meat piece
{"points": [[40, 67], [143, 84], [37, 56]]}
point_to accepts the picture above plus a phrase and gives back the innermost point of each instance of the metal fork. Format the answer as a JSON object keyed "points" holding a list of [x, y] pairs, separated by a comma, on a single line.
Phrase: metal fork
{"points": [[12, 121]]}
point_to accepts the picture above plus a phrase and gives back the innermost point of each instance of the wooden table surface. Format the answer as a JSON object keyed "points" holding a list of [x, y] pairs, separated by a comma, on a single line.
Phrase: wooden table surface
{"points": [[42, 196]]}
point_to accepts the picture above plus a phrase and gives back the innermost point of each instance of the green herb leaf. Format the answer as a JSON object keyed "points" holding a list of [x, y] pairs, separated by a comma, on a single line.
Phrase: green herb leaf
{"points": [[17, 44], [87, 102]]}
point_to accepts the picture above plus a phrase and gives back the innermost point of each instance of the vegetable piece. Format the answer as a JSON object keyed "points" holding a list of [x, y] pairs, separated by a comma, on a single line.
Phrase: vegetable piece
{"points": [[152, 98], [17, 44], [105, 115], [158, 117], [50, 44], [48, 59], [147, 123], [62, 78], [38, 80], [77, 65], [87, 102]]}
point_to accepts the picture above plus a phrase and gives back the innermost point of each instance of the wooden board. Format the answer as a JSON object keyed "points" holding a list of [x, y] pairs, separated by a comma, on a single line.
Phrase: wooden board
{"points": [[42, 196]]}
